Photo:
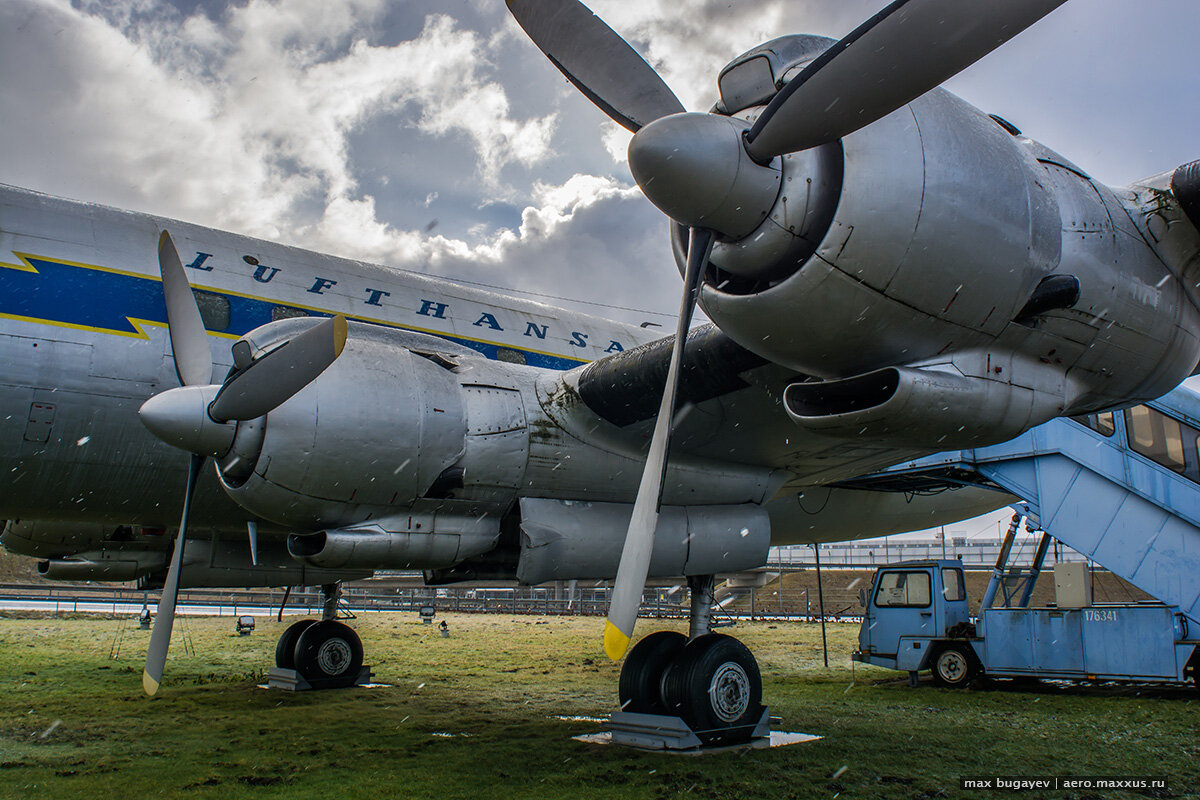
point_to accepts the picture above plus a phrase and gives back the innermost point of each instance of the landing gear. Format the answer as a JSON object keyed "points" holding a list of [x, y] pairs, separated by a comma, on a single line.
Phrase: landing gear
{"points": [[329, 655], [285, 649], [645, 667], [708, 680], [715, 687], [319, 654]]}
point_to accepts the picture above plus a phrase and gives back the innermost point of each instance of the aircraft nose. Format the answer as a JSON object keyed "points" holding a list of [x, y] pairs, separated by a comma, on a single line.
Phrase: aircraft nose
{"points": [[694, 168], [180, 418]]}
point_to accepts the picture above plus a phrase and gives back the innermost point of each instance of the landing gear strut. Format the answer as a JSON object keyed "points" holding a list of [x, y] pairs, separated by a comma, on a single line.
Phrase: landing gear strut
{"points": [[319, 654], [708, 680]]}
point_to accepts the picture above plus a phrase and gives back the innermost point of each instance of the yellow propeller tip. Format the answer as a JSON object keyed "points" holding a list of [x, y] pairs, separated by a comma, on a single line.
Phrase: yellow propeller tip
{"points": [[615, 642], [149, 684], [340, 331]]}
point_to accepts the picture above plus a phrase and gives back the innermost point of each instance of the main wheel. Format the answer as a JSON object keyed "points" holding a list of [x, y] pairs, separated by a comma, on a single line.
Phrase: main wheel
{"points": [[953, 666], [285, 650], [640, 688], [714, 685], [329, 654]]}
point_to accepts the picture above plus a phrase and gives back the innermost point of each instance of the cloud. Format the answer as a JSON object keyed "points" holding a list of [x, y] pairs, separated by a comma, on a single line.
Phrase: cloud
{"points": [[440, 139], [578, 239], [242, 122]]}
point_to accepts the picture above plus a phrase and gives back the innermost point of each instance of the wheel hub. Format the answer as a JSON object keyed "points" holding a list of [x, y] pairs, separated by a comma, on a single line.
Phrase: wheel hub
{"points": [[953, 666], [729, 691], [333, 656]]}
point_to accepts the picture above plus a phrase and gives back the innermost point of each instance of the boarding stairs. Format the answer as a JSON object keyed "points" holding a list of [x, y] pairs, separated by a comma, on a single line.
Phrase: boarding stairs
{"points": [[1122, 488]]}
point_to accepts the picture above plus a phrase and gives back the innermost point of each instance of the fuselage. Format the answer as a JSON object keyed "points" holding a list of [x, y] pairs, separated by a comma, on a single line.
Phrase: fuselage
{"points": [[84, 343]]}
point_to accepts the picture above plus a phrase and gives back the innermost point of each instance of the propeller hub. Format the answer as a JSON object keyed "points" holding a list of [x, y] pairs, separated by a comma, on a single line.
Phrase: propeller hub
{"points": [[180, 418], [694, 168]]}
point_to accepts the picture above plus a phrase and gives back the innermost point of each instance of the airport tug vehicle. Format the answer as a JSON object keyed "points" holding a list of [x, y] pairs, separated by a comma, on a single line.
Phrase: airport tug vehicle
{"points": [[917, 618]]}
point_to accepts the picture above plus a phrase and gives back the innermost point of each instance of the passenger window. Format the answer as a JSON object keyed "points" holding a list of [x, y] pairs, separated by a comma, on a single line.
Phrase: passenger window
{"points": [[903, 589], [952, 584], [214, 310], [285, 312], [510, 356], [1156, 436]]}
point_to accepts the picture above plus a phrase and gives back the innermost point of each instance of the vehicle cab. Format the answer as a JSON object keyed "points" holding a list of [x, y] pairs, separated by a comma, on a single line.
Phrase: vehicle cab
{"points": [[910, 605]]}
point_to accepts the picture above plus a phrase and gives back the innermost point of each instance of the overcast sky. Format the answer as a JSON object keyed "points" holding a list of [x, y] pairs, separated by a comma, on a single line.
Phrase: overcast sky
{"points": [[431, 135]]}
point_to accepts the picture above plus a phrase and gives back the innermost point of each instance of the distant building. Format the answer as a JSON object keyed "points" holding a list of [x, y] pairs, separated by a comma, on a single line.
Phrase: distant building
{"points": [[975, 552]]}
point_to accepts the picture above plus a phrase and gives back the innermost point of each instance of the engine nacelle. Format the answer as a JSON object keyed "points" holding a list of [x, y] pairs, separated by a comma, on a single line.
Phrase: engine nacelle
{"points": [[206, 562], [54, 540], [431, 539], [940, 216], [100, 566], [374, 432], [566, 540], [969, 402]]}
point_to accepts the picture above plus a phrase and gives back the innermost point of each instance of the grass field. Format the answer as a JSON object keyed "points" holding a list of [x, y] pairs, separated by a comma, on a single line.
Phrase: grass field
{"points": [[473, 716]]}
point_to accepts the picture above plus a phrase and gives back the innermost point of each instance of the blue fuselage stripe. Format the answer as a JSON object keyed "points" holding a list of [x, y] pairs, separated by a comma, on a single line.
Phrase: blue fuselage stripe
{"points": [[76, 296]]}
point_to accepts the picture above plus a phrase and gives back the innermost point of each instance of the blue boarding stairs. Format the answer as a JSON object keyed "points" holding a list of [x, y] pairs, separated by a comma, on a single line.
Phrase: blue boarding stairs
{"points": [[1123, 488]]}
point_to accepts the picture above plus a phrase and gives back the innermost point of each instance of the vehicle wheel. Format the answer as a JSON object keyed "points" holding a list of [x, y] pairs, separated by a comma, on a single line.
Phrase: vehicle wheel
{"points": [[714, 685], [953, 666], [640, 689], [285, 650], [329, 654]]}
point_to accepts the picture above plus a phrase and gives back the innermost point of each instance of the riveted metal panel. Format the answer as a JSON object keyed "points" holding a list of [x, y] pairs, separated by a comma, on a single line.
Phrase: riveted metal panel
{"points": [[491, 410], [970, 258], [41, 420], [497, 443]]}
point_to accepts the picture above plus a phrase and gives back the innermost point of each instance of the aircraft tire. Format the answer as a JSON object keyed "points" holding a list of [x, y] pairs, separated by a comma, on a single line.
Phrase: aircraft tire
{"points": [[285, 649], [640, 688], [953, 666], [716, 688], [329, 655]]}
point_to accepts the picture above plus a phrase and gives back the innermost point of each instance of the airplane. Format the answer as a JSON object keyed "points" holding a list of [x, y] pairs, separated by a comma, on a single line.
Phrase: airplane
{"points": [[889, 272]]}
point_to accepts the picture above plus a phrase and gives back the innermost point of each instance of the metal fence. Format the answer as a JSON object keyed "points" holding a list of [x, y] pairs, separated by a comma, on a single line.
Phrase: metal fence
{"points": [[663, 603]]}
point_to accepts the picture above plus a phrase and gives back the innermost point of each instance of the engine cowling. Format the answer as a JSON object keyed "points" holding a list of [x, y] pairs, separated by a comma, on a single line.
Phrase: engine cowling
{"points": [[970, 402], [566, 540], [376, 432], [101, 566], [921, 195], [430, 538]]}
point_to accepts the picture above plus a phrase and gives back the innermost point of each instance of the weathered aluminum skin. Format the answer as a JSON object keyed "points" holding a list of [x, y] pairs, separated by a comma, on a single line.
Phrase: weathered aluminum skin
{"points": [[565, 540], [91, 459], [944, 226], [431, 537]]}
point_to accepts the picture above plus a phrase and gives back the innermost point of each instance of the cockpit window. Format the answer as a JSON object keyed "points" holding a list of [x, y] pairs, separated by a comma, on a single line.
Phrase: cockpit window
{"points": [[747, 84], [904, 589]]}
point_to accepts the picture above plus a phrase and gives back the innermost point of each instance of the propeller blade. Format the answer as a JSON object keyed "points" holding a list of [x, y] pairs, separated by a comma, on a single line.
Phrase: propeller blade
{"points": [[599, 62], [189, 341], [639, 540], [896, 56], [164, 621], [270, 380]]}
